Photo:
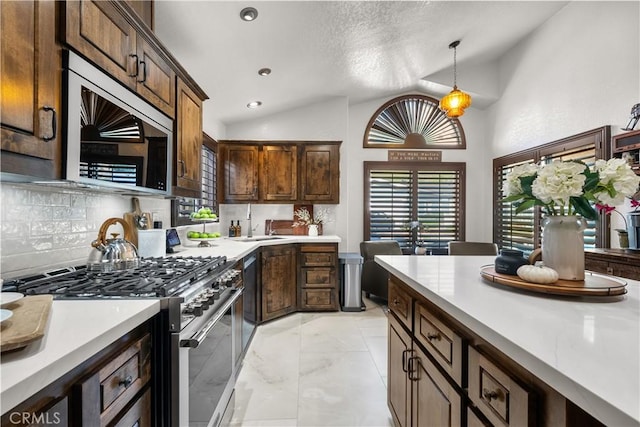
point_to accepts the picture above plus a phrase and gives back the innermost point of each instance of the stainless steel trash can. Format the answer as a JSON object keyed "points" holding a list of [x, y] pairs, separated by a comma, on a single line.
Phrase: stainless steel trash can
{"points": [[350, 287]]}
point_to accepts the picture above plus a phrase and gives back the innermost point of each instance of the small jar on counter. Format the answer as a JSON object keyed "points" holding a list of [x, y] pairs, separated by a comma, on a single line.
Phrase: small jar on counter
{"points": [[509, 261]]}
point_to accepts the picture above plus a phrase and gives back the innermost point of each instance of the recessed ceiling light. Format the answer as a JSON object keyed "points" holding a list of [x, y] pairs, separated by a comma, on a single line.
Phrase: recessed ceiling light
{"points": [[254, 104], [264, 71], [249, 14]]}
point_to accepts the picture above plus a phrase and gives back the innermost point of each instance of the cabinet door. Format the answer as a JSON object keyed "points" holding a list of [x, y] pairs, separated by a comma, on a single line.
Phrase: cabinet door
{"points": [[398, 384], [188, 136], [156, 79], [278, 282], [320, 173], [435, 402], [279, 172], [100, 32], [31, 82], [240, 173]]}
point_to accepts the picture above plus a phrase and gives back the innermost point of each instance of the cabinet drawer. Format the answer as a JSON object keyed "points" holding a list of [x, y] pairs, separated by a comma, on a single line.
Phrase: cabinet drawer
{"points": [[318, 299], [400, 303], [498, 396], [111, 389], [318, 259], [138, 415], [445, 345], [318, 277]]}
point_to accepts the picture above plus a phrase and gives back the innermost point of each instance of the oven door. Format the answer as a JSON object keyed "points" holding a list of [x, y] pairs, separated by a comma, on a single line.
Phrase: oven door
{"points": [[206, 363]]}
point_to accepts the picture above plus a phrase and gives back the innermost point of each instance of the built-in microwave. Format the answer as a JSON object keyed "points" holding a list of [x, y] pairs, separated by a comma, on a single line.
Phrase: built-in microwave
{"points": [[114, 138]]}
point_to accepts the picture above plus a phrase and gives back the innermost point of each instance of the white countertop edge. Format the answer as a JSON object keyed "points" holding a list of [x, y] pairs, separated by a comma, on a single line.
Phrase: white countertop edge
{"points": [[592, 403], [237, 248], [28, 374]]}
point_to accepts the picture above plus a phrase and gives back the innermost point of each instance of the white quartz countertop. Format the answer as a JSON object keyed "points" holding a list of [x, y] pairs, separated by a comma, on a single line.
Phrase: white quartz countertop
{"points": [[587, 349], [76, 331], [236, 248]]}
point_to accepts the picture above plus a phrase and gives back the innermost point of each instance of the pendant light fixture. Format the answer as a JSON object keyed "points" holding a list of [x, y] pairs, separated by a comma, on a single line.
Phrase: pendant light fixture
{"points": [[454, 103]]}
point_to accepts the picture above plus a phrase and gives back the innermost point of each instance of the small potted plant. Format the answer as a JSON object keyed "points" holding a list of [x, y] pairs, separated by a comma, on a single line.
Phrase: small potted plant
{"points": [[312, 222]]}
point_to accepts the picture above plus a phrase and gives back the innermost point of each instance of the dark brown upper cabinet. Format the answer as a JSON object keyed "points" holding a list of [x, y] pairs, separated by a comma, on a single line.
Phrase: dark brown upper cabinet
{"points": [[188, 144], [31, 89], [279, 172], [238, 173], [104, 32]]}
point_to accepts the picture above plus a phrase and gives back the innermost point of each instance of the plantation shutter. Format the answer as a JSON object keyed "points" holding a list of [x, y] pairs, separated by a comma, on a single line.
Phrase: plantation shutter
{"points": [[400, 193], [514, 231], [391, 205], [209, 197], [439, 196]]}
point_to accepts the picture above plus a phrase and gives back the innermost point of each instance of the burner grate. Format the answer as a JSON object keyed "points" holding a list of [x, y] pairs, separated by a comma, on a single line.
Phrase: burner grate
{"points": [[155, 277]]}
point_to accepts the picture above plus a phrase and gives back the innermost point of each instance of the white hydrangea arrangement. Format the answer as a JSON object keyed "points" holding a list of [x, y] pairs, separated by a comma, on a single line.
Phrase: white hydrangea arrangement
{"points": [[570, 187]]}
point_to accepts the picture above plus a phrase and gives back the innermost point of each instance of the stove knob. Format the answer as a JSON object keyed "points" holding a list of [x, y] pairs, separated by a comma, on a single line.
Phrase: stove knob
{"points": [[197, 309], [203, 301]]}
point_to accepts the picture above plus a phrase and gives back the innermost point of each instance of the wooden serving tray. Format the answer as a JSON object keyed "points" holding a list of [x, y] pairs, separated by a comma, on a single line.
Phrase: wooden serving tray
{"points": [[594, 284], [28, 323]]}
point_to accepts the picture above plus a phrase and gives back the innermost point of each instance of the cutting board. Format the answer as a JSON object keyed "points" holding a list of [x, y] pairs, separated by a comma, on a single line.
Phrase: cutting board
{"points": [[130, 219], [28, 323], [281, 226]]}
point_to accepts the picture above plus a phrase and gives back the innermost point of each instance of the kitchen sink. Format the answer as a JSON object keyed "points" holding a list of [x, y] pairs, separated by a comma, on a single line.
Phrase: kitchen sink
{"points": [[258, 238]]}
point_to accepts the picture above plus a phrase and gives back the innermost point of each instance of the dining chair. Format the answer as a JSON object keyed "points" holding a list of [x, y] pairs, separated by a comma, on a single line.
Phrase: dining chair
{"points": [[473, 248], [374, 278]]}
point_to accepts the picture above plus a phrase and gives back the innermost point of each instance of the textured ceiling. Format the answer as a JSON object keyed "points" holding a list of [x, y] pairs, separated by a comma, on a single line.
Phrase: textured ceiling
{"points": [[318, 50]]}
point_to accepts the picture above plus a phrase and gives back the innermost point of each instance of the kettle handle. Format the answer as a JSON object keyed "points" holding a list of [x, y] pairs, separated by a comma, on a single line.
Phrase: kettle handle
{"points": [[102, 234]]}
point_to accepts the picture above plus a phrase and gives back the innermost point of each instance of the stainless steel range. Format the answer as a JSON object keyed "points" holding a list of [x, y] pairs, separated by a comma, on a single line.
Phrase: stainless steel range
{"points": [[199, 337]]}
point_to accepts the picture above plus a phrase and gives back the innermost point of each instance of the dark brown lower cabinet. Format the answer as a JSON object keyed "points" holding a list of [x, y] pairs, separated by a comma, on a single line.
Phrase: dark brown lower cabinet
{"points": [[418, 393], [278, 281], [112, 388]]}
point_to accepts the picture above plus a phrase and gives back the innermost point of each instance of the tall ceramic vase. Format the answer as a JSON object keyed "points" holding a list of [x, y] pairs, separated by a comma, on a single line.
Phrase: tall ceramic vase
{"points": [[563, 245]]}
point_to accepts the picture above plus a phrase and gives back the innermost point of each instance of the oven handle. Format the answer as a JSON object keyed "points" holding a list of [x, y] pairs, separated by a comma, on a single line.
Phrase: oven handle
{"points": [[200, 336]]}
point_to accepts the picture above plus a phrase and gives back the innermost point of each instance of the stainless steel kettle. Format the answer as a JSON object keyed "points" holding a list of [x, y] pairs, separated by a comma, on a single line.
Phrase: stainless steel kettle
{"points": [[113, 254]]}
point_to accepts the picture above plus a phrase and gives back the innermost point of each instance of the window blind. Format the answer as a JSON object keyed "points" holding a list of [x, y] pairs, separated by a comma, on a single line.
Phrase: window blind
{"points": [[209, 171], [402, 194]]}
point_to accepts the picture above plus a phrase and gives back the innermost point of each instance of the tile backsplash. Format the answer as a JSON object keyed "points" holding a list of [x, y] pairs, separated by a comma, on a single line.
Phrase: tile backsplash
{"points": [[44, 227]]}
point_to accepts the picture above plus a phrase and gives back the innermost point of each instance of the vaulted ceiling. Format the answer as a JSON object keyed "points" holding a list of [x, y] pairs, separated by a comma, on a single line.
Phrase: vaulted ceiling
{"points": [[357, 49]]}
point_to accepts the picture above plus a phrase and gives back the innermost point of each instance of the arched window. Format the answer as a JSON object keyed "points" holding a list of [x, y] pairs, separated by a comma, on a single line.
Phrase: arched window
{"points": [[413, 121]]}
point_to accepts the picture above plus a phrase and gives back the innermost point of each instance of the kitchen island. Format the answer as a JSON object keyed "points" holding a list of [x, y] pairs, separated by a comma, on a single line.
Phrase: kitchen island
{"points": [[585, 349]]}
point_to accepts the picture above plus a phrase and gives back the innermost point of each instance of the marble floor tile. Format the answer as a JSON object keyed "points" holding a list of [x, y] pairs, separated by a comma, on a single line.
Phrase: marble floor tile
{"points": [[316, 369]]}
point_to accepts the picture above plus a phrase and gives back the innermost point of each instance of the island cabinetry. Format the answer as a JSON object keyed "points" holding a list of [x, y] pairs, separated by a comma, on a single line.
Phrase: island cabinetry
{"points": [[441, 372], [497, 394], [239, 173], [188, 143], [419, 393], [31, 89], [112, 388], [320, 173], [615, 262], [107, 34], [278, 281], [318, 279]]}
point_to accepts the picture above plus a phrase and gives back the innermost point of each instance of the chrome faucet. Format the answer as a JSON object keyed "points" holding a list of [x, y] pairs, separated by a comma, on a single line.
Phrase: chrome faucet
{"points": [[250, 232]]}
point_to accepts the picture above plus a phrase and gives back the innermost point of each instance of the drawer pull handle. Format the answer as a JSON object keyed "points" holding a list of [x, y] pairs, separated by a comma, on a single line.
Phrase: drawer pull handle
{"points": [[396, 301], [404, 359], [126, 382], [433, 337], [491, 395]]}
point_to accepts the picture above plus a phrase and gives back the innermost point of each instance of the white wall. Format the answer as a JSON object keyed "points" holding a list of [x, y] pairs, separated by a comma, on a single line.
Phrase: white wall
{"points": [[578, 71], [47, 227]]}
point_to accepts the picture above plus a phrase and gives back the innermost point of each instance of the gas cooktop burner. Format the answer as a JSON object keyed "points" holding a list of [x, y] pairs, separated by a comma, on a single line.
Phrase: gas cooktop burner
{"points": [[155, 277]]}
